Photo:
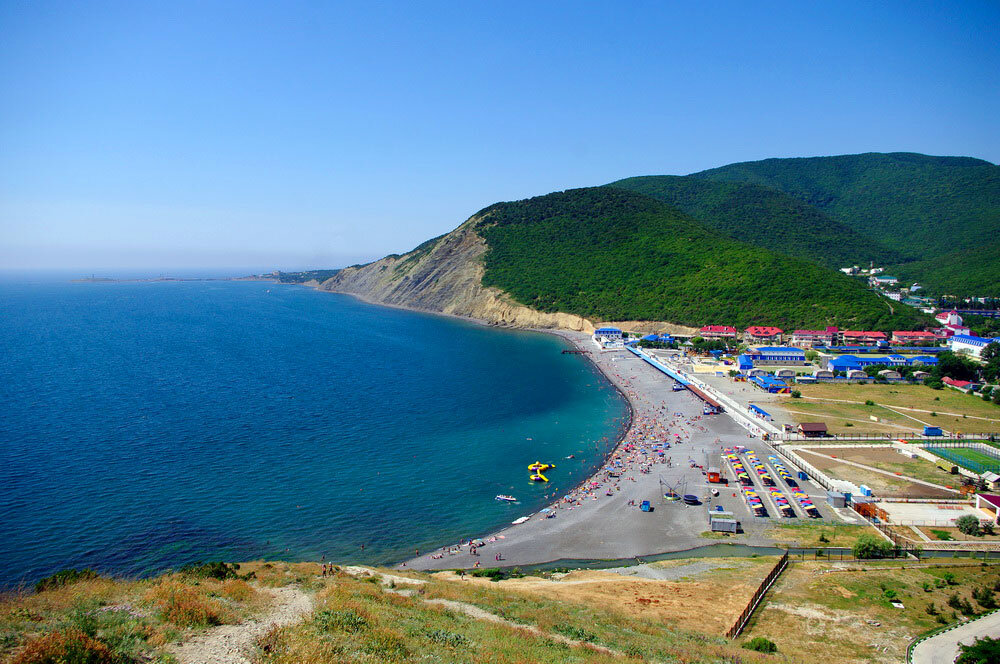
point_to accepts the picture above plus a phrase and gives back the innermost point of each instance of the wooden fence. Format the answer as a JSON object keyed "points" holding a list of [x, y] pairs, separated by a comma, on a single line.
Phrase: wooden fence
{"points": [[768, 581]]}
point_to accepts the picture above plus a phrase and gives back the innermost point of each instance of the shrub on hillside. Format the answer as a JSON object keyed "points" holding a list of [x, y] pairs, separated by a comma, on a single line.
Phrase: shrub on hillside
{"points": [[64, 578], [69, 646], [184, 606], [760, 644], [213, 570]]}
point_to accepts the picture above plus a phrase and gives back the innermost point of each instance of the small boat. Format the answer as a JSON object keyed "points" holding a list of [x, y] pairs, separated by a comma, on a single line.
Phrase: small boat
{"points": [[517, 522], [506, 499]]}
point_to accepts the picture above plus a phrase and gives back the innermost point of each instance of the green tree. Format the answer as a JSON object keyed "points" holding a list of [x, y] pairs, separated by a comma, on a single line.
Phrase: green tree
{"points": [[870, 546], [968, 524]]}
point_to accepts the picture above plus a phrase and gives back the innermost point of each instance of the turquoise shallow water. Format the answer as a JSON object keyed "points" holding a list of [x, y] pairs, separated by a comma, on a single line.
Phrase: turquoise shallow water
{"points": [[148, 425]]}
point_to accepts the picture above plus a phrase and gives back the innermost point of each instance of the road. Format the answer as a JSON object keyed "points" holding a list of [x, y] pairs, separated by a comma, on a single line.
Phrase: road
{"points": [[943, 648]]}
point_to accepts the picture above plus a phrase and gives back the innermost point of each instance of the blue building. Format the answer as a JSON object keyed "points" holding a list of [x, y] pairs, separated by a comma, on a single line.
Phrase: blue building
{"points": [[777, 355], [855, 363], [744, 362]]}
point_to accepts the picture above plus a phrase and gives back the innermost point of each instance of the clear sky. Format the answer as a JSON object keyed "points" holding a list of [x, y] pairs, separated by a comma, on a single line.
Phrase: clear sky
{"points": [[315, 134]]}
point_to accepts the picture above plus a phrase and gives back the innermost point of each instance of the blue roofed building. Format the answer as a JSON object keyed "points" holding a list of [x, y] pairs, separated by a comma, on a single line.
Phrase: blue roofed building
{"points": [[771, 355], [970, 344], [608, 338]]}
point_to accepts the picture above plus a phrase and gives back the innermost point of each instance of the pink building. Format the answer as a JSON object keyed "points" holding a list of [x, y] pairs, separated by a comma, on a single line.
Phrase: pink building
{"points": [[810, 338]]}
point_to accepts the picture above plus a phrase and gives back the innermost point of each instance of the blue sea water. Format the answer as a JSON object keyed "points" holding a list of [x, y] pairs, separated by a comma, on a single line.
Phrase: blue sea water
{"points": [[149, 425]]}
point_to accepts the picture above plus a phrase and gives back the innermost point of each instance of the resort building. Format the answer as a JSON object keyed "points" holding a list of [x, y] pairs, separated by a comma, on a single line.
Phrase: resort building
{"points": [[969, 344], [609, 338], [913, 338], [951, 324], [759, 334], [883, 281], [960, 385], [810, 338], [849, 363], [863, 337], [770, 355], [718, 332]]}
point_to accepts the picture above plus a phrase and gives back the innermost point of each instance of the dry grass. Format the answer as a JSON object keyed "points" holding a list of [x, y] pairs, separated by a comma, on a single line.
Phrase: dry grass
{"points": [[69, 646], [133, 620], [881, 484], [814, 614]]}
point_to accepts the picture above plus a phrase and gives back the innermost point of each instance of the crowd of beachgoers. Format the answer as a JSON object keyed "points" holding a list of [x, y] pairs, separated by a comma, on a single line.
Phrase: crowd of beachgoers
{"points": [[653, 439]]}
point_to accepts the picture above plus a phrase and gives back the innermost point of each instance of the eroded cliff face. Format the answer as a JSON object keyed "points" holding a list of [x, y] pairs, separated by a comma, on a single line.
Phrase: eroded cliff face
{"points": [[447, 278]]}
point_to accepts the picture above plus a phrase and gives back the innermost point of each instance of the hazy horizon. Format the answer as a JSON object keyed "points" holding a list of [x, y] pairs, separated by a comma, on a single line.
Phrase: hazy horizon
{"points": [[224, 136]]}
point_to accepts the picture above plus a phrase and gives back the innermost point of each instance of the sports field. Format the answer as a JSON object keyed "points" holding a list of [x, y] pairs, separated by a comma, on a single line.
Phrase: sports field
{"points": [[898, 409], [969, 458]]}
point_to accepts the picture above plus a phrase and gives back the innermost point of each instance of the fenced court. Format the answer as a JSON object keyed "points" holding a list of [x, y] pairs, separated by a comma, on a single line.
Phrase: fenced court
{"points": [[981, 460]]}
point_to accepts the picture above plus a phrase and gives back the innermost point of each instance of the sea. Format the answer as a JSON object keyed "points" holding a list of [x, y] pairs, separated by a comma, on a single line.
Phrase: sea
{"points": [[149, 425]]}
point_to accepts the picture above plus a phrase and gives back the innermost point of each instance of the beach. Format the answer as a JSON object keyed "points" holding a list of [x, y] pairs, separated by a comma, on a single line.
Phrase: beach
{"points": [[601, 519]]}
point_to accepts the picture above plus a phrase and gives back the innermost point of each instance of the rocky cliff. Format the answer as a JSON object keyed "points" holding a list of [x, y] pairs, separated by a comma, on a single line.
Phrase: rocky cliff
{"points": [[444, 275]]}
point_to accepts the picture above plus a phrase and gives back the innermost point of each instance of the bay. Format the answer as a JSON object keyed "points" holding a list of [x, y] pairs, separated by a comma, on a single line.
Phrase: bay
{"points": [[146, 425]]}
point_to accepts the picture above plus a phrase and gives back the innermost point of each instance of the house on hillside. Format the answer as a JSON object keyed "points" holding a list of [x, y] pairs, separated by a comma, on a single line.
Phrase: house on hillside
{"points": [[760, 334], [951, 324], [889, 374], [810, 338], [882, 280], [718, 332]]}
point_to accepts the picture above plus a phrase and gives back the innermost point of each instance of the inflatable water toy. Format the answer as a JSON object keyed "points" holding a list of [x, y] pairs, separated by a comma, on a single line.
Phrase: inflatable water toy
{"points": [[538, 477], [538, 466]]}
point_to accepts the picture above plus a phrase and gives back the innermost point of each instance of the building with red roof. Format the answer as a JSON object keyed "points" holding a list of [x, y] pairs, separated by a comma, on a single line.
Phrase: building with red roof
{"points": [[810, 338], [863, 337], [905, 337], [717, 332], [759, 334]]}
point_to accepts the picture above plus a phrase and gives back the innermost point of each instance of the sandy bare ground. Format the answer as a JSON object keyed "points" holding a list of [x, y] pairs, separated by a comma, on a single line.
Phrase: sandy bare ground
{"points": [[885, 483], [231, 644]]}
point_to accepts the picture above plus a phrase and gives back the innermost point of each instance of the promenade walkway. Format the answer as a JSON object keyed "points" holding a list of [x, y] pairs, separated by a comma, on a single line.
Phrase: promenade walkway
{"points": [[943, 648]]}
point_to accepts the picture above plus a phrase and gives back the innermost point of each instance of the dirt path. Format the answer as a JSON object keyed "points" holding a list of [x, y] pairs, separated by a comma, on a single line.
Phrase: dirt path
{"points": [[231, 644]]}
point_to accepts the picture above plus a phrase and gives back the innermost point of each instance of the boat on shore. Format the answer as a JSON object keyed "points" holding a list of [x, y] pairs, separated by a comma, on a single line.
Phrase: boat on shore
{"points": [[506, 499]]}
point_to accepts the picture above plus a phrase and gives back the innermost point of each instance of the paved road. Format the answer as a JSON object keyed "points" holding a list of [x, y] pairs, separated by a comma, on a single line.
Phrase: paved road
{"points": [[943, 648]]}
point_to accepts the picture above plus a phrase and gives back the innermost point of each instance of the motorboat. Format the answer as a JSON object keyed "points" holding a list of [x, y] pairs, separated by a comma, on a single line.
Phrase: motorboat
{"points": [[506, 499]]}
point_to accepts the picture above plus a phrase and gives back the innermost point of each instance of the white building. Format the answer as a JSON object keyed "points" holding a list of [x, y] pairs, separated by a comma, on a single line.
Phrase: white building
{"points": [[969, 344], [609, 338]]}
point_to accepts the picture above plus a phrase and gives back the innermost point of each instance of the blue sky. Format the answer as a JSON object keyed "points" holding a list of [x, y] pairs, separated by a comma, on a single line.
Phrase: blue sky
{"points": [[296, 134]]}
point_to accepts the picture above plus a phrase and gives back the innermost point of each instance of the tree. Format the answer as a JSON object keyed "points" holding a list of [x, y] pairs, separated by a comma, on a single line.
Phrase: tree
{"points": [[968, 524], [991, 352], [985, 650], [760, 644], [870, 546]]}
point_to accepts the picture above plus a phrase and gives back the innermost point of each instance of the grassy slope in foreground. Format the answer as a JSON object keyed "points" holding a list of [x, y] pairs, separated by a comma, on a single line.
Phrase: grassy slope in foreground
{"points": [[920, 205], [764, 217], [609, 254]]}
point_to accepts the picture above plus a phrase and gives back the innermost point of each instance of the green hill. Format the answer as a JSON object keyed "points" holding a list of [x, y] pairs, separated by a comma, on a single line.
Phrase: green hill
{"points": [[924, 207], [764, 217], [609, 254]]}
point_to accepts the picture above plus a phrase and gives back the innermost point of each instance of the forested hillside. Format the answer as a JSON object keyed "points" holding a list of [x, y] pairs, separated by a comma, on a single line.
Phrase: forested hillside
{"points": [[609, 254], [764, 217], [923, 207]]}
